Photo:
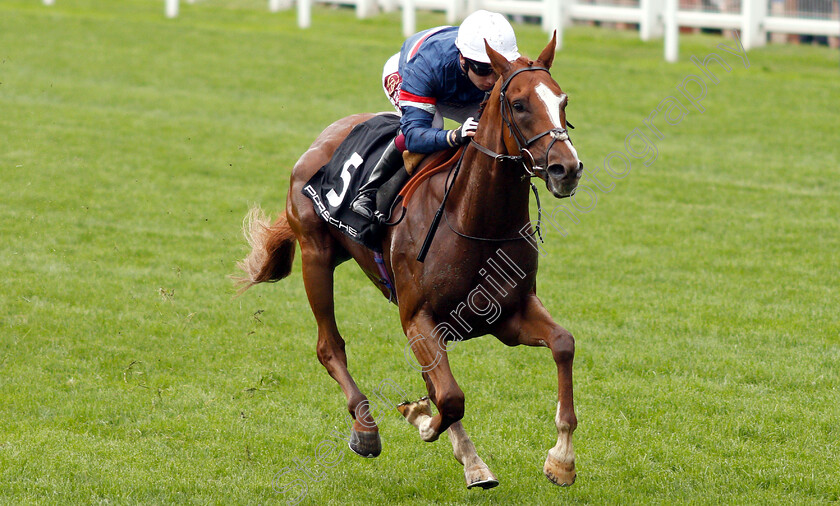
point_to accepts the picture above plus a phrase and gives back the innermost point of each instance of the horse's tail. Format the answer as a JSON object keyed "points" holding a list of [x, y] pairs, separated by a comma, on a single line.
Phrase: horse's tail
{"points": [[272, 249]]}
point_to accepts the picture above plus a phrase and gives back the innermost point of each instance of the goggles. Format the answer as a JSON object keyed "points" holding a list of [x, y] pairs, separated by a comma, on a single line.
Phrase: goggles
{"points": [[479, 68]]}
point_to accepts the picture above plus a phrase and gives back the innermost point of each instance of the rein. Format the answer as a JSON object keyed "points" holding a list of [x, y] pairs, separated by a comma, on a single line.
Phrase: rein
{"points": [[427, 242], [441, 212], [536, 231]]}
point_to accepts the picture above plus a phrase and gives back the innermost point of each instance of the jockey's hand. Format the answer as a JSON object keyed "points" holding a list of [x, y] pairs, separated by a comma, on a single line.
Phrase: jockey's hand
{"points": [[462, 135]]}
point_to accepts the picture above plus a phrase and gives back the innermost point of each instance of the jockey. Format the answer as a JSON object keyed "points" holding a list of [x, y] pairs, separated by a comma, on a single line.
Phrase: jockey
{"points": [[439, 73]]}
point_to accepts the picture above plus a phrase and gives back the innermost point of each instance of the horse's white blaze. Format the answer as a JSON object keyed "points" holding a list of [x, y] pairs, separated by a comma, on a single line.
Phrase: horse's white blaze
{"points": [[572, 149], [552, 104]]}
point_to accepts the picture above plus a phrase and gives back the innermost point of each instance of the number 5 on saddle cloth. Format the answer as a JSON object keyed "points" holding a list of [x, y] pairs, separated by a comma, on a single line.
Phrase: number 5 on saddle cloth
{"points": [[334, 186]]}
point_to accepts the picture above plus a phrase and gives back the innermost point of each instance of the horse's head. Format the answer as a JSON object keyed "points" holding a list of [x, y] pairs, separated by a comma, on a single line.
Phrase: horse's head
{"points": [[533, 107]]}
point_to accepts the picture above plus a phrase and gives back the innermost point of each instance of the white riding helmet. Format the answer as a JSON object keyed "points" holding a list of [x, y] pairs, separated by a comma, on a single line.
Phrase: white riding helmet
{"points": [[492, 26]]}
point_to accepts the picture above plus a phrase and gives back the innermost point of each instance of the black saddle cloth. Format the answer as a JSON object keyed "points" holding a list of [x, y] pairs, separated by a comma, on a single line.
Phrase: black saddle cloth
{"points": [[334, 186]]}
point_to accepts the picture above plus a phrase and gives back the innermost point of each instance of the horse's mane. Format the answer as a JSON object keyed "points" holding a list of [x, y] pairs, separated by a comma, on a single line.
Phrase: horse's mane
{"points": [[481, 106]]}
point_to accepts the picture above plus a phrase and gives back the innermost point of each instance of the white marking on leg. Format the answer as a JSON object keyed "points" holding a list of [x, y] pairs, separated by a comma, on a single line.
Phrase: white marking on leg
{"points": [[563, 450], [462, 446], [475, 470], [560, 463], [426, 431]]}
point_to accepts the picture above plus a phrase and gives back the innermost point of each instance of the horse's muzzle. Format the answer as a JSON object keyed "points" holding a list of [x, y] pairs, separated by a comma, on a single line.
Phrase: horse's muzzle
{"points": [[562, 181]]}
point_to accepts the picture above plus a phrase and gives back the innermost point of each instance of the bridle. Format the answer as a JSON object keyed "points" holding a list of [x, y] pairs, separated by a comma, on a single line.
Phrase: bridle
{"points": [[525, 157]]}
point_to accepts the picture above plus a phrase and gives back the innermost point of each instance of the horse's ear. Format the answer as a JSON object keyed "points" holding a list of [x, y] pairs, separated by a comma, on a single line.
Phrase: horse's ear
{"points": [[547, 55], [499, 62]]}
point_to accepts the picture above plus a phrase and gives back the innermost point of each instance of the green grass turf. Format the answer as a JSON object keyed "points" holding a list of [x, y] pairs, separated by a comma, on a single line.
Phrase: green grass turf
{"points": [[703, 290]]}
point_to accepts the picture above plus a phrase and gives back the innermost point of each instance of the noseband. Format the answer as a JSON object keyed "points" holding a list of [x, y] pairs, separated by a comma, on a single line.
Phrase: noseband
{"points": [[525, 157]]}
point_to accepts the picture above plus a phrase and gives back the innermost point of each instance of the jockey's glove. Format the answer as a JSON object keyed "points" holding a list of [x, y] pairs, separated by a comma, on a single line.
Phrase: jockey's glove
{"points": [[462, 135]]}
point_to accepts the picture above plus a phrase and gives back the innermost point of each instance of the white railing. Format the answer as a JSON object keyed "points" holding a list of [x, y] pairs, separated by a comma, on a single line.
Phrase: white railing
{"points": [[755, 19], [655, 18]]}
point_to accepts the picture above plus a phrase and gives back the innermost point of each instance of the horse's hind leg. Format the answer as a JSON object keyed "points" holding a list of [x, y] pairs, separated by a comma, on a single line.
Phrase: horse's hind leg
{"points": [[318, 263]]}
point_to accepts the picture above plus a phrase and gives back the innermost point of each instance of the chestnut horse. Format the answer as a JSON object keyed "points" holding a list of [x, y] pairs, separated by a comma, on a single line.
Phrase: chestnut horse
{"points": [[522, 133]]}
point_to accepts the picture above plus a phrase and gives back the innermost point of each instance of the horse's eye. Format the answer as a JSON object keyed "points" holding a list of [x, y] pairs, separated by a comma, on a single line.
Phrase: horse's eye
{"points": [[518, 107]]}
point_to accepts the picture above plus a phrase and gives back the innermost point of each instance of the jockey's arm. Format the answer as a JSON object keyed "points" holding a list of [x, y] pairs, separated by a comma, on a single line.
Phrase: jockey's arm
{"points": [[418, 102], [420, 137]]}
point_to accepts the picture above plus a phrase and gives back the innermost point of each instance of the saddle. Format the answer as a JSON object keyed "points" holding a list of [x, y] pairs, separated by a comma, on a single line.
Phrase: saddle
{"points": [[402, 186]]}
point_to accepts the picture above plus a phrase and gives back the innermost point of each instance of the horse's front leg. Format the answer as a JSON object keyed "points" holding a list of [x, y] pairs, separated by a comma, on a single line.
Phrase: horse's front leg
{"points": [[443, 390], [535, 327], [476, 471], [449, 399]]}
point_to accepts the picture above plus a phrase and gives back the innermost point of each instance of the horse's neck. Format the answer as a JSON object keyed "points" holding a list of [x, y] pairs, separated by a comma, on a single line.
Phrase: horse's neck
{"points": [[489, 200]]}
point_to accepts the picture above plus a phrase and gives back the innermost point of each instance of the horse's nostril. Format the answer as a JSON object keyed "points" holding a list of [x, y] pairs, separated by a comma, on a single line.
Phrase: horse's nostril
{"points": [[557, 170]]}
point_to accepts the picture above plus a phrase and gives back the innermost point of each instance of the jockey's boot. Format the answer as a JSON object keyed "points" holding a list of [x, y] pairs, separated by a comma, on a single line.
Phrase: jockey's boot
{"points": [[365, 202]]}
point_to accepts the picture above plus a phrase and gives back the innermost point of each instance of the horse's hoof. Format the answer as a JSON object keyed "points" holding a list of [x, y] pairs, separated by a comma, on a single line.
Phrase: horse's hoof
{"points": [[480, 476], [558, 472], [411, 410], [366, 444]]}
